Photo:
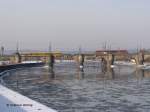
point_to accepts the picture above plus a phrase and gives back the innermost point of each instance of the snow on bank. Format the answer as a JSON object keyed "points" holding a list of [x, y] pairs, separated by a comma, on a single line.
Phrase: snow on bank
{"points": [[11, 101]]}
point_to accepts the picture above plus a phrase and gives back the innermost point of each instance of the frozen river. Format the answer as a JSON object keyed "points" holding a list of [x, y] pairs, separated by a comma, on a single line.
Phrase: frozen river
{"points": [[67, 89]]}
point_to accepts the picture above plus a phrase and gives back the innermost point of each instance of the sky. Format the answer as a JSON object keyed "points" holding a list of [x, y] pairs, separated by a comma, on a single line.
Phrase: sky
{"points": [[68, 24]]}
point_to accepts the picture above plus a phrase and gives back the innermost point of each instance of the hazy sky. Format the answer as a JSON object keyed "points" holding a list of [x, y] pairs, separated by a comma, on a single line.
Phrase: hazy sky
{"points": [[67, 24]]}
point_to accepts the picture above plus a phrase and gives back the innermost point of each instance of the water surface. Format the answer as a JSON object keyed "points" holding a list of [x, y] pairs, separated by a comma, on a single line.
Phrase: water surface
{"points": [[68, 89]]}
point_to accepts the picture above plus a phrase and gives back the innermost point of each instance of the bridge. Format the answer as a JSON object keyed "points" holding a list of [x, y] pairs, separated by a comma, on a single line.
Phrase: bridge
{"points": [[43, 56], [109, 55]]}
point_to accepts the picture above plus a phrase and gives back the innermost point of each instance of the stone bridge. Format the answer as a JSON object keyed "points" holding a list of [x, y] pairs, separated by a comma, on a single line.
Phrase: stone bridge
{"points": [[109, 56]]}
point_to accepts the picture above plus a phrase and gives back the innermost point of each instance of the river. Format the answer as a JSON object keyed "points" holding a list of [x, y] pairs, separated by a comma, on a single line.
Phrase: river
{"points": [[68, 89]]}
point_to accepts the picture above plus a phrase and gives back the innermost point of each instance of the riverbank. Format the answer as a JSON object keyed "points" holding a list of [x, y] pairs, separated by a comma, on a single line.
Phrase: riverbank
{"points": [[11, 101]]}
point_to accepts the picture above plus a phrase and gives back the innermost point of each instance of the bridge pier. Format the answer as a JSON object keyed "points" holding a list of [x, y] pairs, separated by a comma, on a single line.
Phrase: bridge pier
{"points": [[51, 61], [81, 59], [104, 65], [18, 58], [107, 61], [140, 58]]}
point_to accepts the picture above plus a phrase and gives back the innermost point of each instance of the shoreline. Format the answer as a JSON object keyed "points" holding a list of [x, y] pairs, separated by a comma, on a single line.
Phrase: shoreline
{"points": [[14, 101]]}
